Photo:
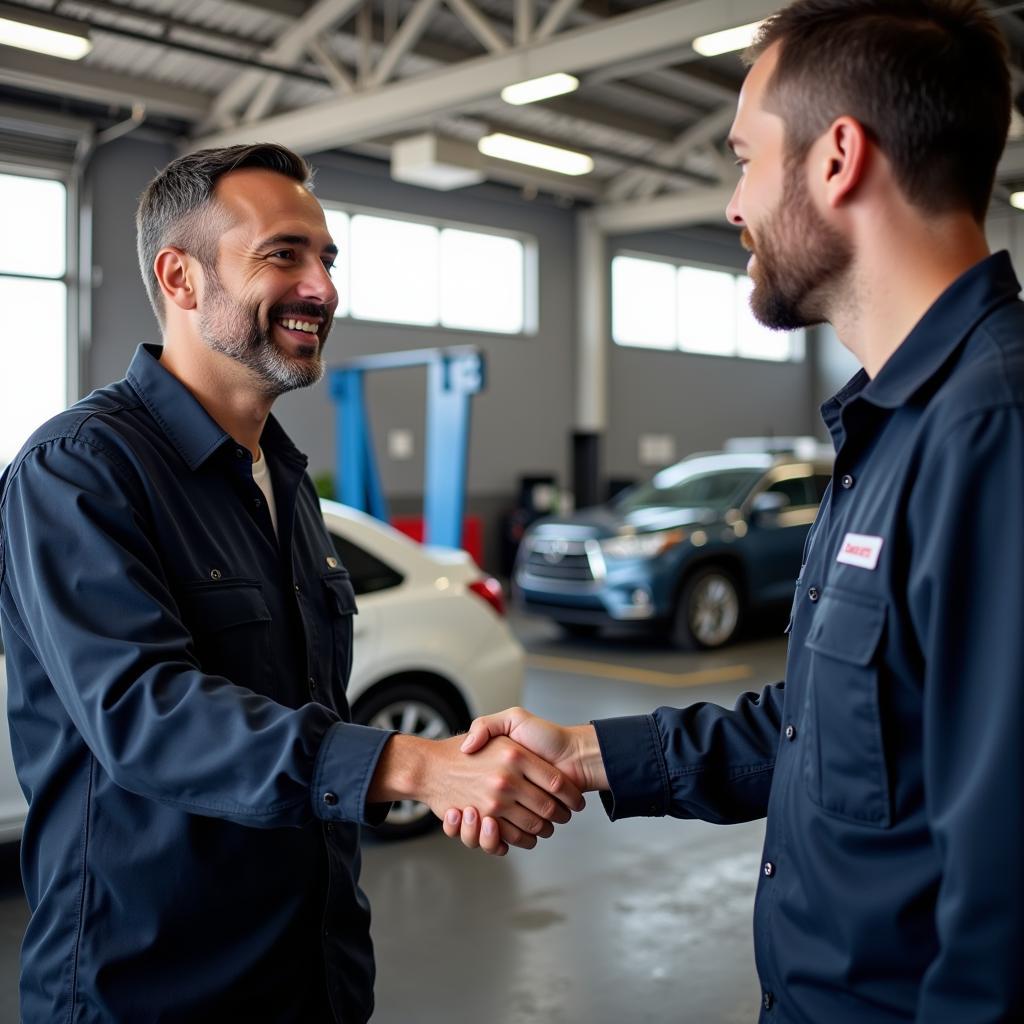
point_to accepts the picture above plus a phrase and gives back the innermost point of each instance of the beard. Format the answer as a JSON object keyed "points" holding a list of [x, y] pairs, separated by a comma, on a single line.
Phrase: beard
{"points": [[235, 330], [801, 260]]}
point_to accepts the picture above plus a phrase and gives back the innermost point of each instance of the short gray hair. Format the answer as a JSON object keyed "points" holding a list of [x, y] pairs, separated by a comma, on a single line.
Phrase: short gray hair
{"points": [[176, 207]]}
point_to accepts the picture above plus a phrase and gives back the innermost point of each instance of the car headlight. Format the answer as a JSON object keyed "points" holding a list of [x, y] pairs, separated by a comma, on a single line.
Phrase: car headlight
{"points": [[641, 545]]}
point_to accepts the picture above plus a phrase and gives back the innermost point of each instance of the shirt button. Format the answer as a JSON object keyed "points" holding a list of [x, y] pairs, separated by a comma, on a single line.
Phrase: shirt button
{"points": [[767, 1000], [296, 588], [312, 685], [330, 798], [847, 481], [813, 593], [215, 574], [257, 502], [769, 869], [239, 454], [790, 732]]}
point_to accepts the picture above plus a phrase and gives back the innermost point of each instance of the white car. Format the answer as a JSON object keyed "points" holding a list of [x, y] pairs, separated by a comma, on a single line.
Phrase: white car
{"points": [[432, 649]]}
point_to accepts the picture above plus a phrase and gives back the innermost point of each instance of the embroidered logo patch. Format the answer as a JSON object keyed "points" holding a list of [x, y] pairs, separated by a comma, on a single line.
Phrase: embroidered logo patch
{"points": [[860, 550]]}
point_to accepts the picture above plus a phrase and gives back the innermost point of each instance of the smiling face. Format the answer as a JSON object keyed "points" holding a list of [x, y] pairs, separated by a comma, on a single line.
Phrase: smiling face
{"points": [[270, 301], [799, 261]]}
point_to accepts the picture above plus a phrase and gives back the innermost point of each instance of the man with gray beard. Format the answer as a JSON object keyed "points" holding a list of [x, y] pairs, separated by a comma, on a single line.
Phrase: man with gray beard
{"points": [[179, 639]]}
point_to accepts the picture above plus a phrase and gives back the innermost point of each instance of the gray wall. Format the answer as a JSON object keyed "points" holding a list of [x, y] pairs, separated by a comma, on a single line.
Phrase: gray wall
{"points": [[523, 421]]}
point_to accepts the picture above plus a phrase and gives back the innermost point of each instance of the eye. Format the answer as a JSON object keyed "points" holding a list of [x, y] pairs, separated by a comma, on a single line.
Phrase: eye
{"points": [[329, 265], [741, 163], [283, 254]]}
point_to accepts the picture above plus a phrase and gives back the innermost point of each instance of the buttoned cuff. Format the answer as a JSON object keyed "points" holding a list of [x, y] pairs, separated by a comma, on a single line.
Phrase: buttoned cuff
{"points": [[635, 765], [344, 767]]}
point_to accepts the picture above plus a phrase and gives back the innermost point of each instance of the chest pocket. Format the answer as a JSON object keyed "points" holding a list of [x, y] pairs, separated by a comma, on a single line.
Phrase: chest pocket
{"points": [[230, 626], [341, 606], [844, 759]]}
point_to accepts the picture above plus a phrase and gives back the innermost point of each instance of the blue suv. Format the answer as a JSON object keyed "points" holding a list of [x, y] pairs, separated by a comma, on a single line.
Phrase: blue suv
{"points": [[688, 553]]}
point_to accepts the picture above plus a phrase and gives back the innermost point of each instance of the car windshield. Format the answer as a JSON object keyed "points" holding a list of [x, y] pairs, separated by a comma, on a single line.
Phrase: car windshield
{"points": [[691, 484]]}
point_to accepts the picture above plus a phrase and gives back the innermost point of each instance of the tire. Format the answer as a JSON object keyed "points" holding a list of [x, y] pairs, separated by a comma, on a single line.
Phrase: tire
{"points": [[417, 709], [579, 630], [709, 610]]}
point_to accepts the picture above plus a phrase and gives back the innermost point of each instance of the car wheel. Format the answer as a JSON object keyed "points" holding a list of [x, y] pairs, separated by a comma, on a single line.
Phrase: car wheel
{"points": [[418, 710], [707, 614]]}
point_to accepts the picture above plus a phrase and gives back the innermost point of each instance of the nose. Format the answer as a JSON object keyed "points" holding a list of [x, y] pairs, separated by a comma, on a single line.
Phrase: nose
{"points": [[316, 284], [732, 210]]}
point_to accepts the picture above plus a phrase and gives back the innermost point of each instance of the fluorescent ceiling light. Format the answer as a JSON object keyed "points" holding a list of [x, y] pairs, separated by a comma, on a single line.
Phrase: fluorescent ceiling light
{"points": [[43, 33], [539, 89], [536, 154], [723, 42], [1017, 199]]}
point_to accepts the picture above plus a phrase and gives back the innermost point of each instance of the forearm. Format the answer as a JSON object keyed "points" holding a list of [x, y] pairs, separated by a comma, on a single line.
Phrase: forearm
{"points": [[590, 769], [403, 770]]}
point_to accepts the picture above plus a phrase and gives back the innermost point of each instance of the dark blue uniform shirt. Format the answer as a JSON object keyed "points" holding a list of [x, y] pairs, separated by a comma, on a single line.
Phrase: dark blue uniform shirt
{"points": [[891, 760], [178, 717]]}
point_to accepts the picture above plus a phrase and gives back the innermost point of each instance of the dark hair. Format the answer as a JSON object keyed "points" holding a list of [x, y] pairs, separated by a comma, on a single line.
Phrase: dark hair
{"points": [[928, 80], [177, 206]]}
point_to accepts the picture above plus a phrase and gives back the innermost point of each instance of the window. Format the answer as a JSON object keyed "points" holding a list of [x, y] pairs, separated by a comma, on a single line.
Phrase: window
{"points": [[433, 275], [658, 304], [368, 573], [33, 306], [796, 490]]}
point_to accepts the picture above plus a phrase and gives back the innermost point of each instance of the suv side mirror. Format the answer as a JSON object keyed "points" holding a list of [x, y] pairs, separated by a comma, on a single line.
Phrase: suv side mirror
{"points": [[767, 505]]}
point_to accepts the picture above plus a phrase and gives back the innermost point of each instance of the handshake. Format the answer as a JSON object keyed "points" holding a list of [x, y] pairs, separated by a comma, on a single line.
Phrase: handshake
{"points": [[547, 768], [507, 782]]}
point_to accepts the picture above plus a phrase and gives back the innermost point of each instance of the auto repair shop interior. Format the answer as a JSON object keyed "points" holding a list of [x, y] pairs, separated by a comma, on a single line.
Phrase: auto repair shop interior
{"points": [[633, 467]]}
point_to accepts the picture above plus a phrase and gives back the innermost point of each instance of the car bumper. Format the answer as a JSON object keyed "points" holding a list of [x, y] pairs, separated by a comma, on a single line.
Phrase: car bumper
{"points": [[623, 596]]}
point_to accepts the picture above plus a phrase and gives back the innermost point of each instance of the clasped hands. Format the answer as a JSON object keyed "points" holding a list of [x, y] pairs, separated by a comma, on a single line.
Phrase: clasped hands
{"points": [[562, 762]]}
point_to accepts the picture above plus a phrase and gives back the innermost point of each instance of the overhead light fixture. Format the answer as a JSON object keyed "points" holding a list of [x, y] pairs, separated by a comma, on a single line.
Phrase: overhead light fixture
{"points": [[727, 40], [43, 33], [535, 154], [539, 89], [1017, 200]]}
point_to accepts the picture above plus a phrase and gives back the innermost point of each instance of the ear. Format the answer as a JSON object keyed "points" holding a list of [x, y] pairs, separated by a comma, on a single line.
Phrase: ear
{"points": [[176, 274], [843, 160]]}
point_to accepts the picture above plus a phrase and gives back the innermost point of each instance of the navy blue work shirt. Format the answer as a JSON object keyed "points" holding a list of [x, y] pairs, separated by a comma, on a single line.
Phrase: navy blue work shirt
{"points": [[178, 718], [890, 763]]}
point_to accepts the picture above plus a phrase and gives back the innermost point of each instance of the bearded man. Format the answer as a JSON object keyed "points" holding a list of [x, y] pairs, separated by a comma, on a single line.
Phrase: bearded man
{"points": [[179, 638], [889, 763]]}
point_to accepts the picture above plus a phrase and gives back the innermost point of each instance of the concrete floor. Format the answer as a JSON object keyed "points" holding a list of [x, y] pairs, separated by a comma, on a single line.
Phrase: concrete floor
{"points": [[646, 920]]}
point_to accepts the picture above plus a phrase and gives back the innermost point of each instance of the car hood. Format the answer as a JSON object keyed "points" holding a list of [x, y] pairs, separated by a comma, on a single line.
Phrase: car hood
{"points": [[607, 521]]}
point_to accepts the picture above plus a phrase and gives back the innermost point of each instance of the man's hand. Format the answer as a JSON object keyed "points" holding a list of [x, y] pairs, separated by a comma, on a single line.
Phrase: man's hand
{"points": [[521, 794], [573, 750]]}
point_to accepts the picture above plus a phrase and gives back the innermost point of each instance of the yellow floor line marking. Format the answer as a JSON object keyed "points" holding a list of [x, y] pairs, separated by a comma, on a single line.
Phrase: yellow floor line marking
{"points": [[578, 666]]}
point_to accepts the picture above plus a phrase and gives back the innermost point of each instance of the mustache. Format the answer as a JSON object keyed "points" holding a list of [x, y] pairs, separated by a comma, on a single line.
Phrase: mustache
{"points": [[298, 309], [747, 240]]}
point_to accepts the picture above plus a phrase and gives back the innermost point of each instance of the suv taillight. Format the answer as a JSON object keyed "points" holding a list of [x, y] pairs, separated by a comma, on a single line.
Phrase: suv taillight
{"points": [[489, 589]]}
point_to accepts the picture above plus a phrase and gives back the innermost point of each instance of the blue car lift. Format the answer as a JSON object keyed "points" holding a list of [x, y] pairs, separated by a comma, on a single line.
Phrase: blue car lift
{"points": [[454, 375]]}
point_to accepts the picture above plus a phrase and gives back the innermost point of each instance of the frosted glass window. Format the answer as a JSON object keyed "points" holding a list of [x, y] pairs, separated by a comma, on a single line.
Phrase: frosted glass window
{"points": [[481, 281], [753, 339], [393, 270], [33, 358], [707, 311], [32, 226], [643, 302], [337, 225]]}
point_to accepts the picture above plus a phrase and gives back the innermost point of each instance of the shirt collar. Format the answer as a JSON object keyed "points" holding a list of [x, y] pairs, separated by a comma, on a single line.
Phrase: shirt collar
{"points": [[188, 426], [932, 341]]}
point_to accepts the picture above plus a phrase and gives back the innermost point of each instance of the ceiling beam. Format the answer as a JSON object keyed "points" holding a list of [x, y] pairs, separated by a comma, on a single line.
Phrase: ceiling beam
{"points": [[288, 48], [477, 23], [38, 73], [672, 156], [343, 120], [677, 210]]}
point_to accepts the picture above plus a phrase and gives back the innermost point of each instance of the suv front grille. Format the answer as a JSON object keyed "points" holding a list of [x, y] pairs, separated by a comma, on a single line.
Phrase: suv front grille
{"points": [[561, 560]]}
